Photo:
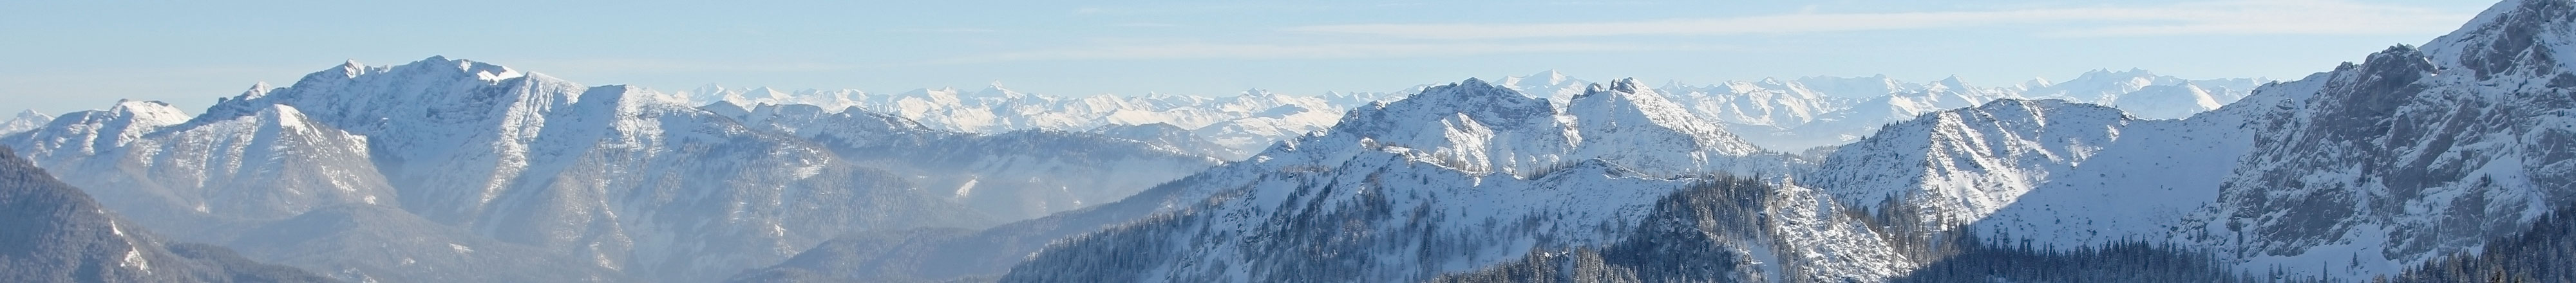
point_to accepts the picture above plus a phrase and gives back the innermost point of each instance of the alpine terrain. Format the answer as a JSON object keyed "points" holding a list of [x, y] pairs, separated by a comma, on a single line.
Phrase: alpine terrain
{"points": [[2449, 161]]}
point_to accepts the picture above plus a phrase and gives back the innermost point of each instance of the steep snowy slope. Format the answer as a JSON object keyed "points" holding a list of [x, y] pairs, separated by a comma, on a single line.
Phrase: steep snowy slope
{"points": [[2140, 186], [57, 234], [25, 121], [1961, 165], [1457, 177]]}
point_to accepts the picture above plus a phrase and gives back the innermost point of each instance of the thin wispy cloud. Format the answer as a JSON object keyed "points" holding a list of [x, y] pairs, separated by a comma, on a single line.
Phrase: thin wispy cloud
{"points": [[946, 30], [662, 66], [1311, 51], [2231, 17]]}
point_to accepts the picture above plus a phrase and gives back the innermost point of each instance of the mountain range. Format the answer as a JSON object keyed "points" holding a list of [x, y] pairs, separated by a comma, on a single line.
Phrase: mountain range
{"points": [[408, 173], [2428, 163]]}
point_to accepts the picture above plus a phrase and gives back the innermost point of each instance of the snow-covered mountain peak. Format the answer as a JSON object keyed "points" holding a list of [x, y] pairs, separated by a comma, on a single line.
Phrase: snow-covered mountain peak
{"points": [[1472, 98], [1951, 83], [995, 90], [2529, 37], [1623, 117], [24, 121], [431, 91], [347, 69], [484, 71], [88, 132], [2037, 83], [256, 91], [1622, 85], [147, 112]]}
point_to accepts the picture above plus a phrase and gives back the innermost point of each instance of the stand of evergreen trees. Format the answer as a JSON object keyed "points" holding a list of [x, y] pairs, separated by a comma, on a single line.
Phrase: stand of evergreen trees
{"points": [[1693, 236], [2546, 252], [1687, 238], [2127, 261]]}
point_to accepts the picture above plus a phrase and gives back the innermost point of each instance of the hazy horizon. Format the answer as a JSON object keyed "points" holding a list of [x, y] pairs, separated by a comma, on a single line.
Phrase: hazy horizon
{"points": [[190, 53]]}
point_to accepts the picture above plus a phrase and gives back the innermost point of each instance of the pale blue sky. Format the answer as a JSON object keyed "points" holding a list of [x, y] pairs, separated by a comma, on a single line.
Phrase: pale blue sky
{"points": [[62, 56]]}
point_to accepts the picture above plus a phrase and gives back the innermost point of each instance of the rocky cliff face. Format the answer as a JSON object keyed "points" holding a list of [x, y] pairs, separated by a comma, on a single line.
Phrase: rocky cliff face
{"points": [[2414, 152]]}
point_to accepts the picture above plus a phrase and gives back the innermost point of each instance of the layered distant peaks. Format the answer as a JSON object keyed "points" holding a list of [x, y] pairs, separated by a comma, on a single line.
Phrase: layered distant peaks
{"points": [[2099, 74], [1551, 76], [2101, 85], [1551, 85], [1950, 84], [995, 90], [1860, 87], [2036, 83], [1542, 78], [2168, 101]]}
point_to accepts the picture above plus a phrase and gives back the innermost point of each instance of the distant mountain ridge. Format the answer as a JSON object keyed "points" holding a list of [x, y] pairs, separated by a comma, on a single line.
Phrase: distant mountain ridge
{"points": [[487, 165], [1245, 122], [1794, 115]]}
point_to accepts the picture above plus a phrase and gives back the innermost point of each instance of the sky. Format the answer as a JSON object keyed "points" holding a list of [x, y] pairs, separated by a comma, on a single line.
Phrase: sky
{"points": [[61, 56]]}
